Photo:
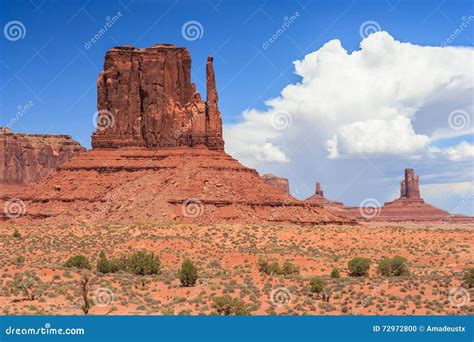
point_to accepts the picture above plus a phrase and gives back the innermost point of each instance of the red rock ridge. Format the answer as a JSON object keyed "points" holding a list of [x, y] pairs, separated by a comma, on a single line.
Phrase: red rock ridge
{"points": [[28, 158]]}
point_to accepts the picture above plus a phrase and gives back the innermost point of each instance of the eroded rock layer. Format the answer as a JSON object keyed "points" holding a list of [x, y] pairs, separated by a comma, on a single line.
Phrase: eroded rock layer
{"points": [[28, 158], [146, 98], [164, 185]]}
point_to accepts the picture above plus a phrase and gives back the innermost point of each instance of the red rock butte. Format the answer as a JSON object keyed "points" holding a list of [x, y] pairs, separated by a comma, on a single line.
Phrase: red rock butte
{"points": [[146, 98], [158, 156]]}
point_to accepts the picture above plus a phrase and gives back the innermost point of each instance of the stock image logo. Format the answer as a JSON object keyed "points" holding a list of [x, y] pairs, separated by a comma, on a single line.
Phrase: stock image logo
{"points": [[281, 119], [103, 296], [280, 296], [192, 30], [103, 119], [14, 208], [192, 208], [368, 27], [459, 296], [370, 208], [459, 119], [14, 30]]}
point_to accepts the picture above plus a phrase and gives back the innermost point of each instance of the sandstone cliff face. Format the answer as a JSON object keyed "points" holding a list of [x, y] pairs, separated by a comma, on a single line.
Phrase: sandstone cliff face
{"points": [[146, 98], [28, 158]]}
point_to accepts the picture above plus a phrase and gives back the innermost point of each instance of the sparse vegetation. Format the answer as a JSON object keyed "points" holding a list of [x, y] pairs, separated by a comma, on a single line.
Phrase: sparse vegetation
{"points": [[317, 285], [394, 267], [78, 261], [469, 278], [359, 267], [143, 263], [273, 268], [188, 273], [226, 305], [16, 234], [335, 274]]}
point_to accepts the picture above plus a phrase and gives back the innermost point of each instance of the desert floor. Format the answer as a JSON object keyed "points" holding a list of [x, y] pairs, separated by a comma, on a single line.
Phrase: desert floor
{"points": [[226, 257]]}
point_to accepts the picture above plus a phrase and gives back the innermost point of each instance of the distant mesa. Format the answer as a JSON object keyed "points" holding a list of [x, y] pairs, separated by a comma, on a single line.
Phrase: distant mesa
{"points": [[277, 182], [29, 158]]}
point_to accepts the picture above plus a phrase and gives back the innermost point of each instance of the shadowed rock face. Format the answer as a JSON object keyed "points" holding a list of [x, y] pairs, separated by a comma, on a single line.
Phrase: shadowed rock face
{"points": [[28, 158], [146, 98]]}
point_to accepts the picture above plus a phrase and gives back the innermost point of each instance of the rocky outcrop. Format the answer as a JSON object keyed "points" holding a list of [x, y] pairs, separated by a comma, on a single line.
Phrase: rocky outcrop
{"points": [[318, 197], [146, 98], [28, 158], [410, 187], [277, 182], [410, 207]]}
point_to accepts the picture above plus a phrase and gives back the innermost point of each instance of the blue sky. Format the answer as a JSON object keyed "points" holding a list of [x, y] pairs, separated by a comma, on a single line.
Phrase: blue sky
{"points": [[51, 69]]}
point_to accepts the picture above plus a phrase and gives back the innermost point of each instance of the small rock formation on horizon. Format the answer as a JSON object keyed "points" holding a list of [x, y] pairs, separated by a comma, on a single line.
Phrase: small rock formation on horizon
{"points": [[146, 99], [28, 158], [277, 182], [318, 197], [409, 207], [410, 186]]}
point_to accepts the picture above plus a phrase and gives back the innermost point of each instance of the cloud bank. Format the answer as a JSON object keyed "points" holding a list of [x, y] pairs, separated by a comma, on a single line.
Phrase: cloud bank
{"points": [[386, 100]]}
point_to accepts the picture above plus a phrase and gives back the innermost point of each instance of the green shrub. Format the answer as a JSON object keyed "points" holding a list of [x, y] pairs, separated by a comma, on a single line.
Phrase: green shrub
{"points": [[143, 263], [273, 268], [359, 267], [16, 234], [289, 268], [469, 278], [78, 261], [226, 305], [20, 259], [335, 274], [188, 273], [394, 267], [317, 285], [103, 265]]}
